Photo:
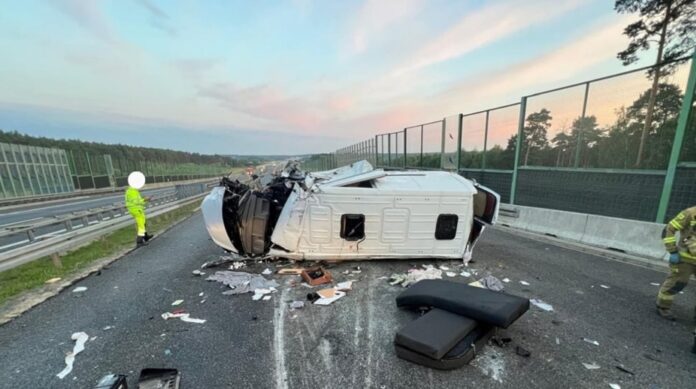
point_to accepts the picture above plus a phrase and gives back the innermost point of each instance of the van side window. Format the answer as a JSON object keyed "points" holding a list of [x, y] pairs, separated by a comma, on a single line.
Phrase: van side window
{"points": [[446, 227], [352, 226]]}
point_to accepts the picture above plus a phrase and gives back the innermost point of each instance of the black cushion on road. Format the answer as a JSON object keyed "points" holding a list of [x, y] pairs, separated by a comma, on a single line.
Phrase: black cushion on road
{"points": [[483, 305], [435, 333], [462, 353]]}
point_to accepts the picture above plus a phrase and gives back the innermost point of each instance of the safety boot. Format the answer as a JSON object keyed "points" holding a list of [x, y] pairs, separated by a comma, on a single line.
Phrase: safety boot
{"points": [[147, 237], [140, 242], [666, 313]]}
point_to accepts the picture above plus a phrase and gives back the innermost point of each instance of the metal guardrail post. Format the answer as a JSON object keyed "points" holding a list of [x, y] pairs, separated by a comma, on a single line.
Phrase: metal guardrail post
{"points": [[579, 141], [405, 153], [683, 121], [442, 143], [518, 146]]}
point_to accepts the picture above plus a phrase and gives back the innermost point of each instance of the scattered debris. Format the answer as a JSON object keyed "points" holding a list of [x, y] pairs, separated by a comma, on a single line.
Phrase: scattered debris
{"points": [[241, 282], [591, 366], [556, 322], [107, 328], [159, 378], [558, 341], [316, 276], [183, 316], [167, 352], [291, 271], [201, 294], [604, 286], [177, 302], [266, 298], [623, 369], [344, 286], [261, 292], [383, 278], [414, 275], [492, 283], [477, 284], [590, 341], [198, 273], [297, 304], [525, 283], [326, 293], [500, 341], [443, 267], [541, 305], [465, 274], [80, 338], [654, 284], [312, 297], [326, 301], [52, 280], [267, 272], [615, 386], [112, 381], [652, 357], [80, 289], [521, 351], [451, 274], [221, 261], [237, 265], [506, 280]]}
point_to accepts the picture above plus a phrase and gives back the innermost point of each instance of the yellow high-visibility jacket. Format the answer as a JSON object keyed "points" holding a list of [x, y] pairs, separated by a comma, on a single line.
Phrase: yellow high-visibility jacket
{"points": [[685, 224], [134, 201]]}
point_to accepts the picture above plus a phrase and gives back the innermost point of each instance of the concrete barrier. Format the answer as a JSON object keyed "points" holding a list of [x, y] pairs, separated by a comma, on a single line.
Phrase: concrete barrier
{"points": [[633, 237]]}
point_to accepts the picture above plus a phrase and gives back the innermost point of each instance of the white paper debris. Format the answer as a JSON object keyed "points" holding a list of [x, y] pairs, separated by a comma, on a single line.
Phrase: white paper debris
{"points": [[79, 289], [604, 286], [177, 302], [465, 274], [267, 297], [183, 316], [558, 341], [525, 283], [506, 280], [615, 386], [297, 304], [267, 272], [52, 280], [327, 301], [201, 294], [591, 366], [451, 274], [443, 267], [590, 341], [654, 284], [80, 338], [107, 328], [346, 285], [541, 305], [198, 273]]}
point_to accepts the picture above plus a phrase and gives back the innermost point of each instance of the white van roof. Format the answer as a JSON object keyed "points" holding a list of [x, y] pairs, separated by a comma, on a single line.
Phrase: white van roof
{"points": [[402, 181]]}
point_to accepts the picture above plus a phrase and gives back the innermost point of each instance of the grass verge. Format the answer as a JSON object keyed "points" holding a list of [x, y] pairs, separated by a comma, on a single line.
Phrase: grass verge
{"points": [[35, 274]]}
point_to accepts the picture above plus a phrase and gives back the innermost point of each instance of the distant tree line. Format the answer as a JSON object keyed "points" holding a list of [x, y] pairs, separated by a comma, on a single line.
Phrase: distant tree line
{"points": [[124, 152]]}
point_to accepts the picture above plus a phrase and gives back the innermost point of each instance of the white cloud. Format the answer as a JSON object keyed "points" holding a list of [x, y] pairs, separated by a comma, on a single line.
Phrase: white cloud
{"points": [[483, 26], [376, 16]]}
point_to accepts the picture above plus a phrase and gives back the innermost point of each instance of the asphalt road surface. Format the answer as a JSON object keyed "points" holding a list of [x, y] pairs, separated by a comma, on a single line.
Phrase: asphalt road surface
{"points": [[34, 212], [263, 344]]}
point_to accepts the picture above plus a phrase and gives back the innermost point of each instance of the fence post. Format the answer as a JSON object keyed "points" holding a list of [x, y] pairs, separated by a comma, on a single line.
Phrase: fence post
{"points": [[376, 151], [683, 121], [518, 146], [442, 143], [485, 142], [459, 141], [584, 110], [421, 148], [405, 133], [389, 149]]}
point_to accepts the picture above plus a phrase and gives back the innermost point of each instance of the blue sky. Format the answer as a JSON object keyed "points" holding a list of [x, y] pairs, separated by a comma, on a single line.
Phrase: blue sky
{"points": [[290, 77]]}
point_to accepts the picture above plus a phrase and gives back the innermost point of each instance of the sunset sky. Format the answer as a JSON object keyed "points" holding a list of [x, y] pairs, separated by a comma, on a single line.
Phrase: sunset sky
{"points": [[291, 77]]}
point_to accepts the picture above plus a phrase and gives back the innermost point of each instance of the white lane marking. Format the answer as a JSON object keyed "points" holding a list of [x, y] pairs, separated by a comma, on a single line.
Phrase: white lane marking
{"points": [[281, 375], [20, 222]]}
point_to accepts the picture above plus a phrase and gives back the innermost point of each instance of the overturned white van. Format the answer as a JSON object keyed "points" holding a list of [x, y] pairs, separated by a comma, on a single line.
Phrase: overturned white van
{"points": [[354, 212]]}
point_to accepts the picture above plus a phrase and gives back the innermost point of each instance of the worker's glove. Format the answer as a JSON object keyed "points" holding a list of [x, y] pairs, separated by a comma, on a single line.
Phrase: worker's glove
{"points": [[674, 258]]}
